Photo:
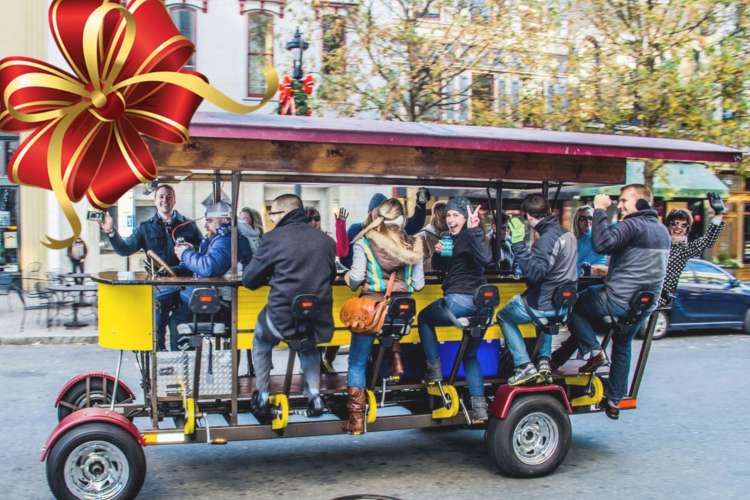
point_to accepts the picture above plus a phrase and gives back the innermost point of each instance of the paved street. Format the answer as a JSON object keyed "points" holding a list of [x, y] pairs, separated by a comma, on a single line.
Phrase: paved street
{"points": [[687, 440]]}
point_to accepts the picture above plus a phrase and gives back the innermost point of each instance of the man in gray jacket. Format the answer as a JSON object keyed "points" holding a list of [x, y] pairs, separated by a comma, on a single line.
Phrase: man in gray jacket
{"points": [[550, 263], [638, 247]]}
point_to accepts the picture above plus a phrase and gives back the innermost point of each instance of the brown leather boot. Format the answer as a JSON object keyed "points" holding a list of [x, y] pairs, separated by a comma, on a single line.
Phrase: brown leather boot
{"points": [[397, 366], [355, 405]]}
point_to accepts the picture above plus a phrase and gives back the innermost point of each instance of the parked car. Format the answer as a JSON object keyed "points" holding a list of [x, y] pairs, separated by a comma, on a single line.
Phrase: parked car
{"points": [[707, 298]]}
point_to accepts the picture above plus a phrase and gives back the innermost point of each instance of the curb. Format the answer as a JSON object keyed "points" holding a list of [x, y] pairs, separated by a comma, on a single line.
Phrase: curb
{"points": [[50, 340]]}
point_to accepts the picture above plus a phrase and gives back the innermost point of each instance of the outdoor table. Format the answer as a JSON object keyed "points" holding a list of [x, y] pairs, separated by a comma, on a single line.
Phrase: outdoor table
{"points": [[76, 304]]}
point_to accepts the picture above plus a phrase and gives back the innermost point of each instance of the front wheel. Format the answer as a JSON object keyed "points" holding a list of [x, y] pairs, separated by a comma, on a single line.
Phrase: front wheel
{"points": [[532, 440], [96, 460]]}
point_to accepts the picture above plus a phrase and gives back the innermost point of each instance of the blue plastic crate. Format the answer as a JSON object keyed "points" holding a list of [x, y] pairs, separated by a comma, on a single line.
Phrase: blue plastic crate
{"points": [[488, 354]]}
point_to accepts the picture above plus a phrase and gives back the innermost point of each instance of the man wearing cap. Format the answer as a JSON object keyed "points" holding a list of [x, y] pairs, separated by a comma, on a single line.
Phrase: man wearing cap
{"points": [[157, 234], [212, 258], [293, 258]]}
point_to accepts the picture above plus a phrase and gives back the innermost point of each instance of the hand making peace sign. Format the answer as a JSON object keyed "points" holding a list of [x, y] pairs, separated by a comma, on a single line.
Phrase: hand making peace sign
{"points": [[473, 217]]}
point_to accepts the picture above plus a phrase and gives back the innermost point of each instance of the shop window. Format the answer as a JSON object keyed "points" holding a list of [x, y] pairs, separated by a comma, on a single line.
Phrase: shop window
{"points": [[259, 51], [184, 19]]}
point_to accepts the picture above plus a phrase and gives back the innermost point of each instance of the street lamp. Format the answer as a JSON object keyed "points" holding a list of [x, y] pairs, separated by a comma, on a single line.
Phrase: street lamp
{"points": [[297, 46]]}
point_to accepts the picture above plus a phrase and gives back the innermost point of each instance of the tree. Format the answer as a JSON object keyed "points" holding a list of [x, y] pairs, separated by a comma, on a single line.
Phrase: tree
{"points": [[668, 68], [405, 59]]}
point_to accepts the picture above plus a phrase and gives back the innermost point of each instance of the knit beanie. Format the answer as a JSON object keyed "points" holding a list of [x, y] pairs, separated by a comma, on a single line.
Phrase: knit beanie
{"points": [[458, 204], [376, 200]]}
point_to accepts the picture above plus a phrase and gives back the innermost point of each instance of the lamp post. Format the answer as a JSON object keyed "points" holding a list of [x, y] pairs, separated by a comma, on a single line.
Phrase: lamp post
{"points": [[297, 46]]}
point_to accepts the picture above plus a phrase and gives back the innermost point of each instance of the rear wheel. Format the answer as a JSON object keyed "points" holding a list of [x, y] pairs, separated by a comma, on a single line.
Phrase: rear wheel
{"points": [[96, 460], [79, 396], [532, 440]]}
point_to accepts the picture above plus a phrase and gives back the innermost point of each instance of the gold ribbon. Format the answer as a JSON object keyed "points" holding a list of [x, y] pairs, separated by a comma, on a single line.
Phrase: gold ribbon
{"points": [[102, 85]]}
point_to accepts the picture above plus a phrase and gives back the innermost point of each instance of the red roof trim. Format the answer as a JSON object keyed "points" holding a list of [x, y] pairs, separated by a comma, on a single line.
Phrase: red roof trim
{"points": [[316, 130]]}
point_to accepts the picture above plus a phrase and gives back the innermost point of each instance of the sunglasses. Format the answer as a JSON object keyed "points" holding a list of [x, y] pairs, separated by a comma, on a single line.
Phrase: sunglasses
{"points": [[315, 218], [586, 218], [276, 213], [676, 223]]}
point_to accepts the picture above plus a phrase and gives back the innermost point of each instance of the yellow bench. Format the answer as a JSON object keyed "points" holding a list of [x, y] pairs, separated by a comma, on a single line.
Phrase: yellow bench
{"points": [[126, 315]]}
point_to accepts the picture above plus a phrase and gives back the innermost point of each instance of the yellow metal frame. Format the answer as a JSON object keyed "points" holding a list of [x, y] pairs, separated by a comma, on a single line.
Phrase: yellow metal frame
{"points": [[281, 401], [126, 320], [445, 411], [582, 381], [189, 416], [372, 407]]}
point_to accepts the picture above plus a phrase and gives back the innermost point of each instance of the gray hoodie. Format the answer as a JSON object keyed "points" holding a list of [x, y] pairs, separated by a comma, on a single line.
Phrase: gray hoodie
{"points": [[639, 248]]}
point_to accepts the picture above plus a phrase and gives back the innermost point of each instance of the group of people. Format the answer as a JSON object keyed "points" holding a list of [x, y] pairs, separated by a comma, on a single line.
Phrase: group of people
{"points": [[296, 256]]}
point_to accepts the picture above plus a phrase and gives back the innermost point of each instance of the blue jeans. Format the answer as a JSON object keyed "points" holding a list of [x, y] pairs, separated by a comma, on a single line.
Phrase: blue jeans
{"points": [[460, 305], [359, 353], [167, 298], [513, 314], [592, 304]]}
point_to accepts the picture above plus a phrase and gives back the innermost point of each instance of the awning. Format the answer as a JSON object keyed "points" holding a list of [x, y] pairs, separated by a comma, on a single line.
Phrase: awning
{"points": [[673, 180]]}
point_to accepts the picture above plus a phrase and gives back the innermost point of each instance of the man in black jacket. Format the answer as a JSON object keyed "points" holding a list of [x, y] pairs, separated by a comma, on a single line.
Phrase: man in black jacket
{"points": [[157, 234], [294, 258], [549, 264]]}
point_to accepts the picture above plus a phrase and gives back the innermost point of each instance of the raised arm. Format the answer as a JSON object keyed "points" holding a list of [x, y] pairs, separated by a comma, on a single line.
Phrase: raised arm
{"points": [[696, 247]]}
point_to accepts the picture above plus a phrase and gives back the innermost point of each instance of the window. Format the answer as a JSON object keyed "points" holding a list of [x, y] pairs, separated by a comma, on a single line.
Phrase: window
{"points": [[259, 51], [706, 274], [334, 38], [429, 9], [184, 18], [482, 92]]}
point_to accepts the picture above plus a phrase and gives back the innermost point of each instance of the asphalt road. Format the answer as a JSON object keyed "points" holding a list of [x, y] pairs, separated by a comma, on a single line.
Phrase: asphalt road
{"points": [[688, 439]]}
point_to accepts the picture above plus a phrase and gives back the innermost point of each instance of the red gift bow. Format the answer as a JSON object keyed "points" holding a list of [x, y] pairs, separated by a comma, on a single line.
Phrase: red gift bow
{"points": [[86, 127], [286, 93], [286, 96]]}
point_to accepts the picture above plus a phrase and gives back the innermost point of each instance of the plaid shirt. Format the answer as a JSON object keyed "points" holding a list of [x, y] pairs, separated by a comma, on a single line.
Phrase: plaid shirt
{"points": [[680, 254]]}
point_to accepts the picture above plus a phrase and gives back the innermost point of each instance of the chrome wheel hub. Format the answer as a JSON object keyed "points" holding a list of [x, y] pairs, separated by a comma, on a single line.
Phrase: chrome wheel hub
{"points": [[96, 470], [535, 438]]}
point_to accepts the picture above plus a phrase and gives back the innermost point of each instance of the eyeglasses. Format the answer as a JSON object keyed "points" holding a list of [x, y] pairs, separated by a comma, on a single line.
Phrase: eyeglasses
{"points": [[586, 218], [677, 223]]}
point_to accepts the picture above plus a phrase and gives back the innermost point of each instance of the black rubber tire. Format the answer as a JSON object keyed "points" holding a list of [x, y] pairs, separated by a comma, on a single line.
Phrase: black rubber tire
{"points": [[499, 437], [746, 323], [96, 431], [78, 391]]}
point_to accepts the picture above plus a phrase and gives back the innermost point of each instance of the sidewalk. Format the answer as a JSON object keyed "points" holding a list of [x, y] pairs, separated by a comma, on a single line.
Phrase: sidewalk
{"points": [[35, 331]]}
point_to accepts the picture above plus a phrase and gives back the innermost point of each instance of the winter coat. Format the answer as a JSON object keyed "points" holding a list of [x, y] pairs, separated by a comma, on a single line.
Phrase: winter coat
{"points": [[294, 258], [154, 235], [586, 253], [464, 270], [638, 247], [550, 263], [251, 234], [430, 236], [679, 255], [213, 258], [413, 225], [376, 257]]}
